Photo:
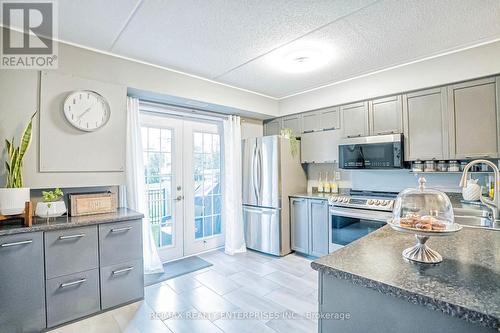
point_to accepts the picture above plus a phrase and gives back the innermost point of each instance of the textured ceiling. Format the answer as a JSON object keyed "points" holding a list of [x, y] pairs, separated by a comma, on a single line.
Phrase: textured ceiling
{"points": [[235, 42]]}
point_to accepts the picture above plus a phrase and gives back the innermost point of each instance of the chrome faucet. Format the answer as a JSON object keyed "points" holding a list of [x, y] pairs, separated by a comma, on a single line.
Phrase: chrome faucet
{"points": [[494, 204]]}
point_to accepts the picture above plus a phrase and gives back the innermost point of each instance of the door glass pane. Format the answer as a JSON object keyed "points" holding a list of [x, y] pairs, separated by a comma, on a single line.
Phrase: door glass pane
{"points": [[207, 182], [157, 146]]}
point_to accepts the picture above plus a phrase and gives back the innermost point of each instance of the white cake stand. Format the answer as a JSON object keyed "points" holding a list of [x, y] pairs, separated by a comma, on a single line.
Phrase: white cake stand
{"points": [[421, 252]]}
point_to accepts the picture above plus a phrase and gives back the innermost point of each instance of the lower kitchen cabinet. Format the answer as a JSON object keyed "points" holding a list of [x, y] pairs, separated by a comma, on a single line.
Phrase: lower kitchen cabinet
{"points": [[299, 219], [72, 296], [50, 278], [309, 224], [22, 287], [121, 283], [318, 224]]}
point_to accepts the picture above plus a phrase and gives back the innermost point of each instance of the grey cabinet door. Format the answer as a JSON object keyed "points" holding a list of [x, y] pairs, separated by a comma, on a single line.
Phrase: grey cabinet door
{"points": [[72, 296], [299, 218], [70, 250], [311, 121], [355, 119], [386, 115], [330, 118], [318, 214], [425, 125], [314, 150], [122, 283], [474, 119], [293, 123], [272, 127], [22, 283], [120, 242]]}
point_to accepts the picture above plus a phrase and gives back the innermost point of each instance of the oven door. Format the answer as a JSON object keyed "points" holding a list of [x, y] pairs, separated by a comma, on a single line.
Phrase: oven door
{"points": [[350, 224]]}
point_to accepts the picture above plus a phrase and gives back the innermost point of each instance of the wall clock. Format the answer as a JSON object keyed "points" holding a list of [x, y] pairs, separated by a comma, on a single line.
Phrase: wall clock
{"points": [[86, 110]]}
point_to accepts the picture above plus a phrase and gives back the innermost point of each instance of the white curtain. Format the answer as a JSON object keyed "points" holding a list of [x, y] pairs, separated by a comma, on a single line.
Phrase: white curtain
{"points": [[232, 209], [135, 187]]}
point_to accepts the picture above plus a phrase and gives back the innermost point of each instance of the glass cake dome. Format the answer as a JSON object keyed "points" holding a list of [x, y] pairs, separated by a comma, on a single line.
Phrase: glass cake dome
{"points": [[423, 209]]}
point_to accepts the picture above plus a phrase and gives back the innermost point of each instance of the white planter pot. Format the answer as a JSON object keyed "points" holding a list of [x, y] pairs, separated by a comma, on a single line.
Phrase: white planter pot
{"points": [[13, 200], [50, 209]]}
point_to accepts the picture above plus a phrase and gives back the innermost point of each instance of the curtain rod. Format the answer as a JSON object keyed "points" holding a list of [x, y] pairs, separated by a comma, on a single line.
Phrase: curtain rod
{"points": [[181, 110]]}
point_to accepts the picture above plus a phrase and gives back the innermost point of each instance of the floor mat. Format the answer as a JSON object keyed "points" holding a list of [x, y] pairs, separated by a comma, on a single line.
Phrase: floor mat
{"points": [[176, 268]]}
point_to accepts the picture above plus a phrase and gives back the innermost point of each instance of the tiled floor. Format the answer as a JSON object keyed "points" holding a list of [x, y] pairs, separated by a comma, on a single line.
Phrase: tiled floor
{"points": [[249, 292]]}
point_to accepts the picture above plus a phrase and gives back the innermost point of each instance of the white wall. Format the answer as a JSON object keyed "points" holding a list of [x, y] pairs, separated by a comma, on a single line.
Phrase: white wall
{"points": [[464, 65]]}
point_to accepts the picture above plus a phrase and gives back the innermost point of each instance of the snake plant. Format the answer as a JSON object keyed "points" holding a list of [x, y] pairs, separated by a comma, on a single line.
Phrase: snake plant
{"points": [[14, 163]]}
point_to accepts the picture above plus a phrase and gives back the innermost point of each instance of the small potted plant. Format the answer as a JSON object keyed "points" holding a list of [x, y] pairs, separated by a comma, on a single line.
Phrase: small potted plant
{"points": [[14, 196], [51, 205]]}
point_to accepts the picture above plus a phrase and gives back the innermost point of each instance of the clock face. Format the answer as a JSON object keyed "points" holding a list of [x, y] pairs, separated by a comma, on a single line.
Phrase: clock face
{"points": [[86, 110]]}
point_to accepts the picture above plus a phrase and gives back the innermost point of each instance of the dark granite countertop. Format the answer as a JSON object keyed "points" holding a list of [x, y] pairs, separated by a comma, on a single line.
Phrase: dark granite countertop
{"points": [[465, 285], [122, 214]]}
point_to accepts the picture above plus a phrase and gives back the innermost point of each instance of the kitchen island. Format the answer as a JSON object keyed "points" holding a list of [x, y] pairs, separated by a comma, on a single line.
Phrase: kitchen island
{"points": [[368, 286]]}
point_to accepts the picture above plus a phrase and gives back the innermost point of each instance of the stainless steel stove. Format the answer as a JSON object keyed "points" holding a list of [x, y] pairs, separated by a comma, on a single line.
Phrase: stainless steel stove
{"points": [[380, 201], [356, 215]]}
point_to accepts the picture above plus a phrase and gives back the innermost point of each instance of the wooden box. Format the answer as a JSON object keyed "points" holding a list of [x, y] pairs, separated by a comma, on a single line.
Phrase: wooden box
{"points": [[92, 203]]}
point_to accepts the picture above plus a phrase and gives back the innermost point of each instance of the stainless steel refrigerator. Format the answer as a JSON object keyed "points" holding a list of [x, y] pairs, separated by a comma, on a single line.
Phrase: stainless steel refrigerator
{"points": [[271, 173]]}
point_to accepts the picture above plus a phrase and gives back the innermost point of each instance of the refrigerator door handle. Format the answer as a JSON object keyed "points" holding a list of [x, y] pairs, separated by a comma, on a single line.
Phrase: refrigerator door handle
{"points": [[259, 176], [254, 173]]}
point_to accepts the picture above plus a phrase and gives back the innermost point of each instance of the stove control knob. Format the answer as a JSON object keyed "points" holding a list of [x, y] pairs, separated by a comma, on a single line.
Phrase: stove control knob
{"points": [[377, 202], [346, 200], [384, 202], [334, 199], [370, 202]]}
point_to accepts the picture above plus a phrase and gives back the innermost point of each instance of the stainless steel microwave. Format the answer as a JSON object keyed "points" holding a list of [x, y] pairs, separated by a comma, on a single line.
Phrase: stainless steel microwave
{"points": [[372, 152]]}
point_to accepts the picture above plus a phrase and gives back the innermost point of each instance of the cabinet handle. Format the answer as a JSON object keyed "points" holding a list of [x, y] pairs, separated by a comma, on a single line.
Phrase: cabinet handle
{"points": [[125, 270], [73, 283], [308, 131], [329, 128], [386, 132], [71, 236], [297, 200], [354, 136], [121, 229], [479, 156], [17, 243]]}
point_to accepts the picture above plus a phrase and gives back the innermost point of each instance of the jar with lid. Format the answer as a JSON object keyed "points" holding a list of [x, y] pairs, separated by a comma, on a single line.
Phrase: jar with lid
{"points": [[417, 166], [453, 166], [463, 164], [430, 166], [442, 167]]}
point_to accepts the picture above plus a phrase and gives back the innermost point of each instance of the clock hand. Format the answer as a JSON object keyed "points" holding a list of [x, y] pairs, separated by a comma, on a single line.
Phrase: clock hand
{"points": [[84, 112]]}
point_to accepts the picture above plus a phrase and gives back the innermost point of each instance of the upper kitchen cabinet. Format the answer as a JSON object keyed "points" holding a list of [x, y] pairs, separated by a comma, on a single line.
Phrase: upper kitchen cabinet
{"points": [[355, 119], [320, 120], [425, 125], [294, 123], [272, 127], [311, 122], [320, 147], [474, 119], [386, 115]]}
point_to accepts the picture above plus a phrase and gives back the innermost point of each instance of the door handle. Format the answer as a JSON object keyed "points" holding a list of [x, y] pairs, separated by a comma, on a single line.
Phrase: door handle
{"points": [[179, 198], [73, 283], [17, 243], [121, 271], [121, 229], [71, 236]]}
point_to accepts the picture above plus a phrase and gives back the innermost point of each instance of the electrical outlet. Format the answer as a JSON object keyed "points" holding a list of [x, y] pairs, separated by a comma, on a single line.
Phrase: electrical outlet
{"points": [[337, 175]]}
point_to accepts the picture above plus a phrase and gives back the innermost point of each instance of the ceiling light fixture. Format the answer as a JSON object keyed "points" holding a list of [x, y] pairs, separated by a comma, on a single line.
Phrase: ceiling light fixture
{"points": [[301, 57]]}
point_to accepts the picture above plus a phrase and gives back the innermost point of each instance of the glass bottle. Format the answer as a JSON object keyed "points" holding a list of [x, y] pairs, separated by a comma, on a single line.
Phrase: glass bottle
{"points": [[320, 184], [326, 186]]}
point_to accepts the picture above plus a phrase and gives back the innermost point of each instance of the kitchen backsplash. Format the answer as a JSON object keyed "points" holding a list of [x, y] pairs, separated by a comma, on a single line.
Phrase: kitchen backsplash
{"points": [[36, 195], [386, 180]]}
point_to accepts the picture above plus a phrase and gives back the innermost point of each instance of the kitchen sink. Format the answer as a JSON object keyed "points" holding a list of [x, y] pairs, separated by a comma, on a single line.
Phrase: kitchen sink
{"points": [[474, 217]]}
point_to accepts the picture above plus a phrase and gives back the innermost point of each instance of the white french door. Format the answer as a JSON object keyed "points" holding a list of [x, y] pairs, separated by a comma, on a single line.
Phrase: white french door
{"points": [[183, 184]]}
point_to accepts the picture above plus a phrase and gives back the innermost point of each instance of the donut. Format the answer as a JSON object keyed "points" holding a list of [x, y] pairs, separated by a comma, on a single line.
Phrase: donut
{"points": [[407, 222]]}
